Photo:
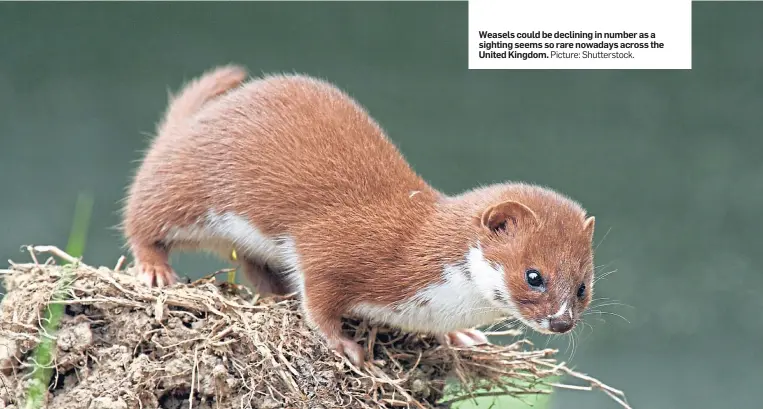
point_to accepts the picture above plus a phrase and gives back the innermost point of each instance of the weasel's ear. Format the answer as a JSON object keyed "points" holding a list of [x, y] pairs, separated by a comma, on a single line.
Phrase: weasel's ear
{"points": [[498, 217], [588, 226]]}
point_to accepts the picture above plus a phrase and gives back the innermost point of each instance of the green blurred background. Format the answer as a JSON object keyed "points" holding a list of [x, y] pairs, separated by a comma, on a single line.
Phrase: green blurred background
{"points": [[670, 162]]}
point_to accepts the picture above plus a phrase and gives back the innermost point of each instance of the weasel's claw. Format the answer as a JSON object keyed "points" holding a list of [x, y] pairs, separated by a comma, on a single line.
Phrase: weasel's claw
{"points": [[154, 275], [463, 338], [349, 348]]}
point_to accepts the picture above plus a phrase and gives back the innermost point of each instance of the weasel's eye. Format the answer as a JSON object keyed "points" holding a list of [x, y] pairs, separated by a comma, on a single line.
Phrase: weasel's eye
{"points": [[581, 290], [534, 278]]}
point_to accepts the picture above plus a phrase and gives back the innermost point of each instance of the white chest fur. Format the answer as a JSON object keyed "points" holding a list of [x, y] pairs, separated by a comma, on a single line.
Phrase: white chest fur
{"points": [[464, 298]]}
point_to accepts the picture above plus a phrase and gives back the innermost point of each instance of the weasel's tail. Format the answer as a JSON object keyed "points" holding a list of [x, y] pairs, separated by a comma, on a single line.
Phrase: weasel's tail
{"points": [[198, 92]]}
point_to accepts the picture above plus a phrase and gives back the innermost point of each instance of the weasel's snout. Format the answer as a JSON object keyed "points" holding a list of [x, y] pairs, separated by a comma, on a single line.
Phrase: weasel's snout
{"points": [[560, 325]]}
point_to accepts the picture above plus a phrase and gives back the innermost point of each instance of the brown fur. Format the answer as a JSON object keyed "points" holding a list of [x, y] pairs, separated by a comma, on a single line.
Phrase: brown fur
{"points": [[297, 157]]}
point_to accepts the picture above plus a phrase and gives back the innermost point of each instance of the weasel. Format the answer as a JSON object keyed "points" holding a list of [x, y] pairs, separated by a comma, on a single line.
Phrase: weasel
{"points": [[295, 176]]}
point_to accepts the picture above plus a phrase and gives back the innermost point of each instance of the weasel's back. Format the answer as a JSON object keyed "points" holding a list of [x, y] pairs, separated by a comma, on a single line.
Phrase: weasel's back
{"points": [[303, 125], [288, 147]]}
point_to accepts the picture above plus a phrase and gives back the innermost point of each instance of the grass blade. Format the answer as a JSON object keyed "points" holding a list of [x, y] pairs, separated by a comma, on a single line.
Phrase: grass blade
{"points": [[44, 354]]}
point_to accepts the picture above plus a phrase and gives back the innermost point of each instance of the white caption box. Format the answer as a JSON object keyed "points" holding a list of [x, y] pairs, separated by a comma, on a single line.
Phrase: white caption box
{"points": [[579, 34]]}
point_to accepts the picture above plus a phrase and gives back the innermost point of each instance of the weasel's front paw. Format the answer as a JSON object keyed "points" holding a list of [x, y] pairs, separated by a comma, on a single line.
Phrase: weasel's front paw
{"points": [[463, 338], [349, 348], [156, 275]]}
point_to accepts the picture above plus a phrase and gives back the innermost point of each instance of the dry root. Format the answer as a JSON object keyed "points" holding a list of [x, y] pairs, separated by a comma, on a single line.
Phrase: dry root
{"points": [[211, 345]]}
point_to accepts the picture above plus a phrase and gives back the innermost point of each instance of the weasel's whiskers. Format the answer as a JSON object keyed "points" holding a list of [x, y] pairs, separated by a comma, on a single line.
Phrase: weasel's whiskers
{"points": [[599, 312], [613, 303], [602, 239], [584, 324], [569, 343], [575, 335], [602, 266], [604, 275], [552, 338]]}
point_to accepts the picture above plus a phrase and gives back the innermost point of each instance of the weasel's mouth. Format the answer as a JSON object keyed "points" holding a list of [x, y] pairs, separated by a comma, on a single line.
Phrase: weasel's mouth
{"points": [[542, 325]]}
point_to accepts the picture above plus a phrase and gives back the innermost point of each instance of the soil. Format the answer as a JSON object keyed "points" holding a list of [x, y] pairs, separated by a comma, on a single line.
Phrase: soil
{"points": [[213, 345]]}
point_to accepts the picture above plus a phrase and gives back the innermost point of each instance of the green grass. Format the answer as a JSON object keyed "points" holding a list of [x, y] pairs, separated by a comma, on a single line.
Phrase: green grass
{"points": [[232, 273], [506, 402], [539, 401], [83, 210], [44, 354]]}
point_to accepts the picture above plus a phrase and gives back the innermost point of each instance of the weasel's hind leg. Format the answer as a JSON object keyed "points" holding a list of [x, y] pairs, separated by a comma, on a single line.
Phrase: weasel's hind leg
{"points": [[264, 280], [153, 266]]}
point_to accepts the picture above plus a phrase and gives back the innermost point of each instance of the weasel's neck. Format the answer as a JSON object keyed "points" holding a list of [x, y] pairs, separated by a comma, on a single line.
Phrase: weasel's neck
{"points": [[450, 231], [458, 287]]}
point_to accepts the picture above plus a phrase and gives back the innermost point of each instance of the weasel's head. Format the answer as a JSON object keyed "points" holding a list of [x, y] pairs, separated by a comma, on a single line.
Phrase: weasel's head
{"points": [[535, 259]]}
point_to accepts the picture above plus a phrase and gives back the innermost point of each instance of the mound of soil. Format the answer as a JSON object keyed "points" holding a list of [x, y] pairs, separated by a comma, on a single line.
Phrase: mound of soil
{"points": [[212, 345]]}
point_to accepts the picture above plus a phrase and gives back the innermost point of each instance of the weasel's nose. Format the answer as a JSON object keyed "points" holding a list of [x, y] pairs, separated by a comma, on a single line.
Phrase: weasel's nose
{"points": [[559, 325]]}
